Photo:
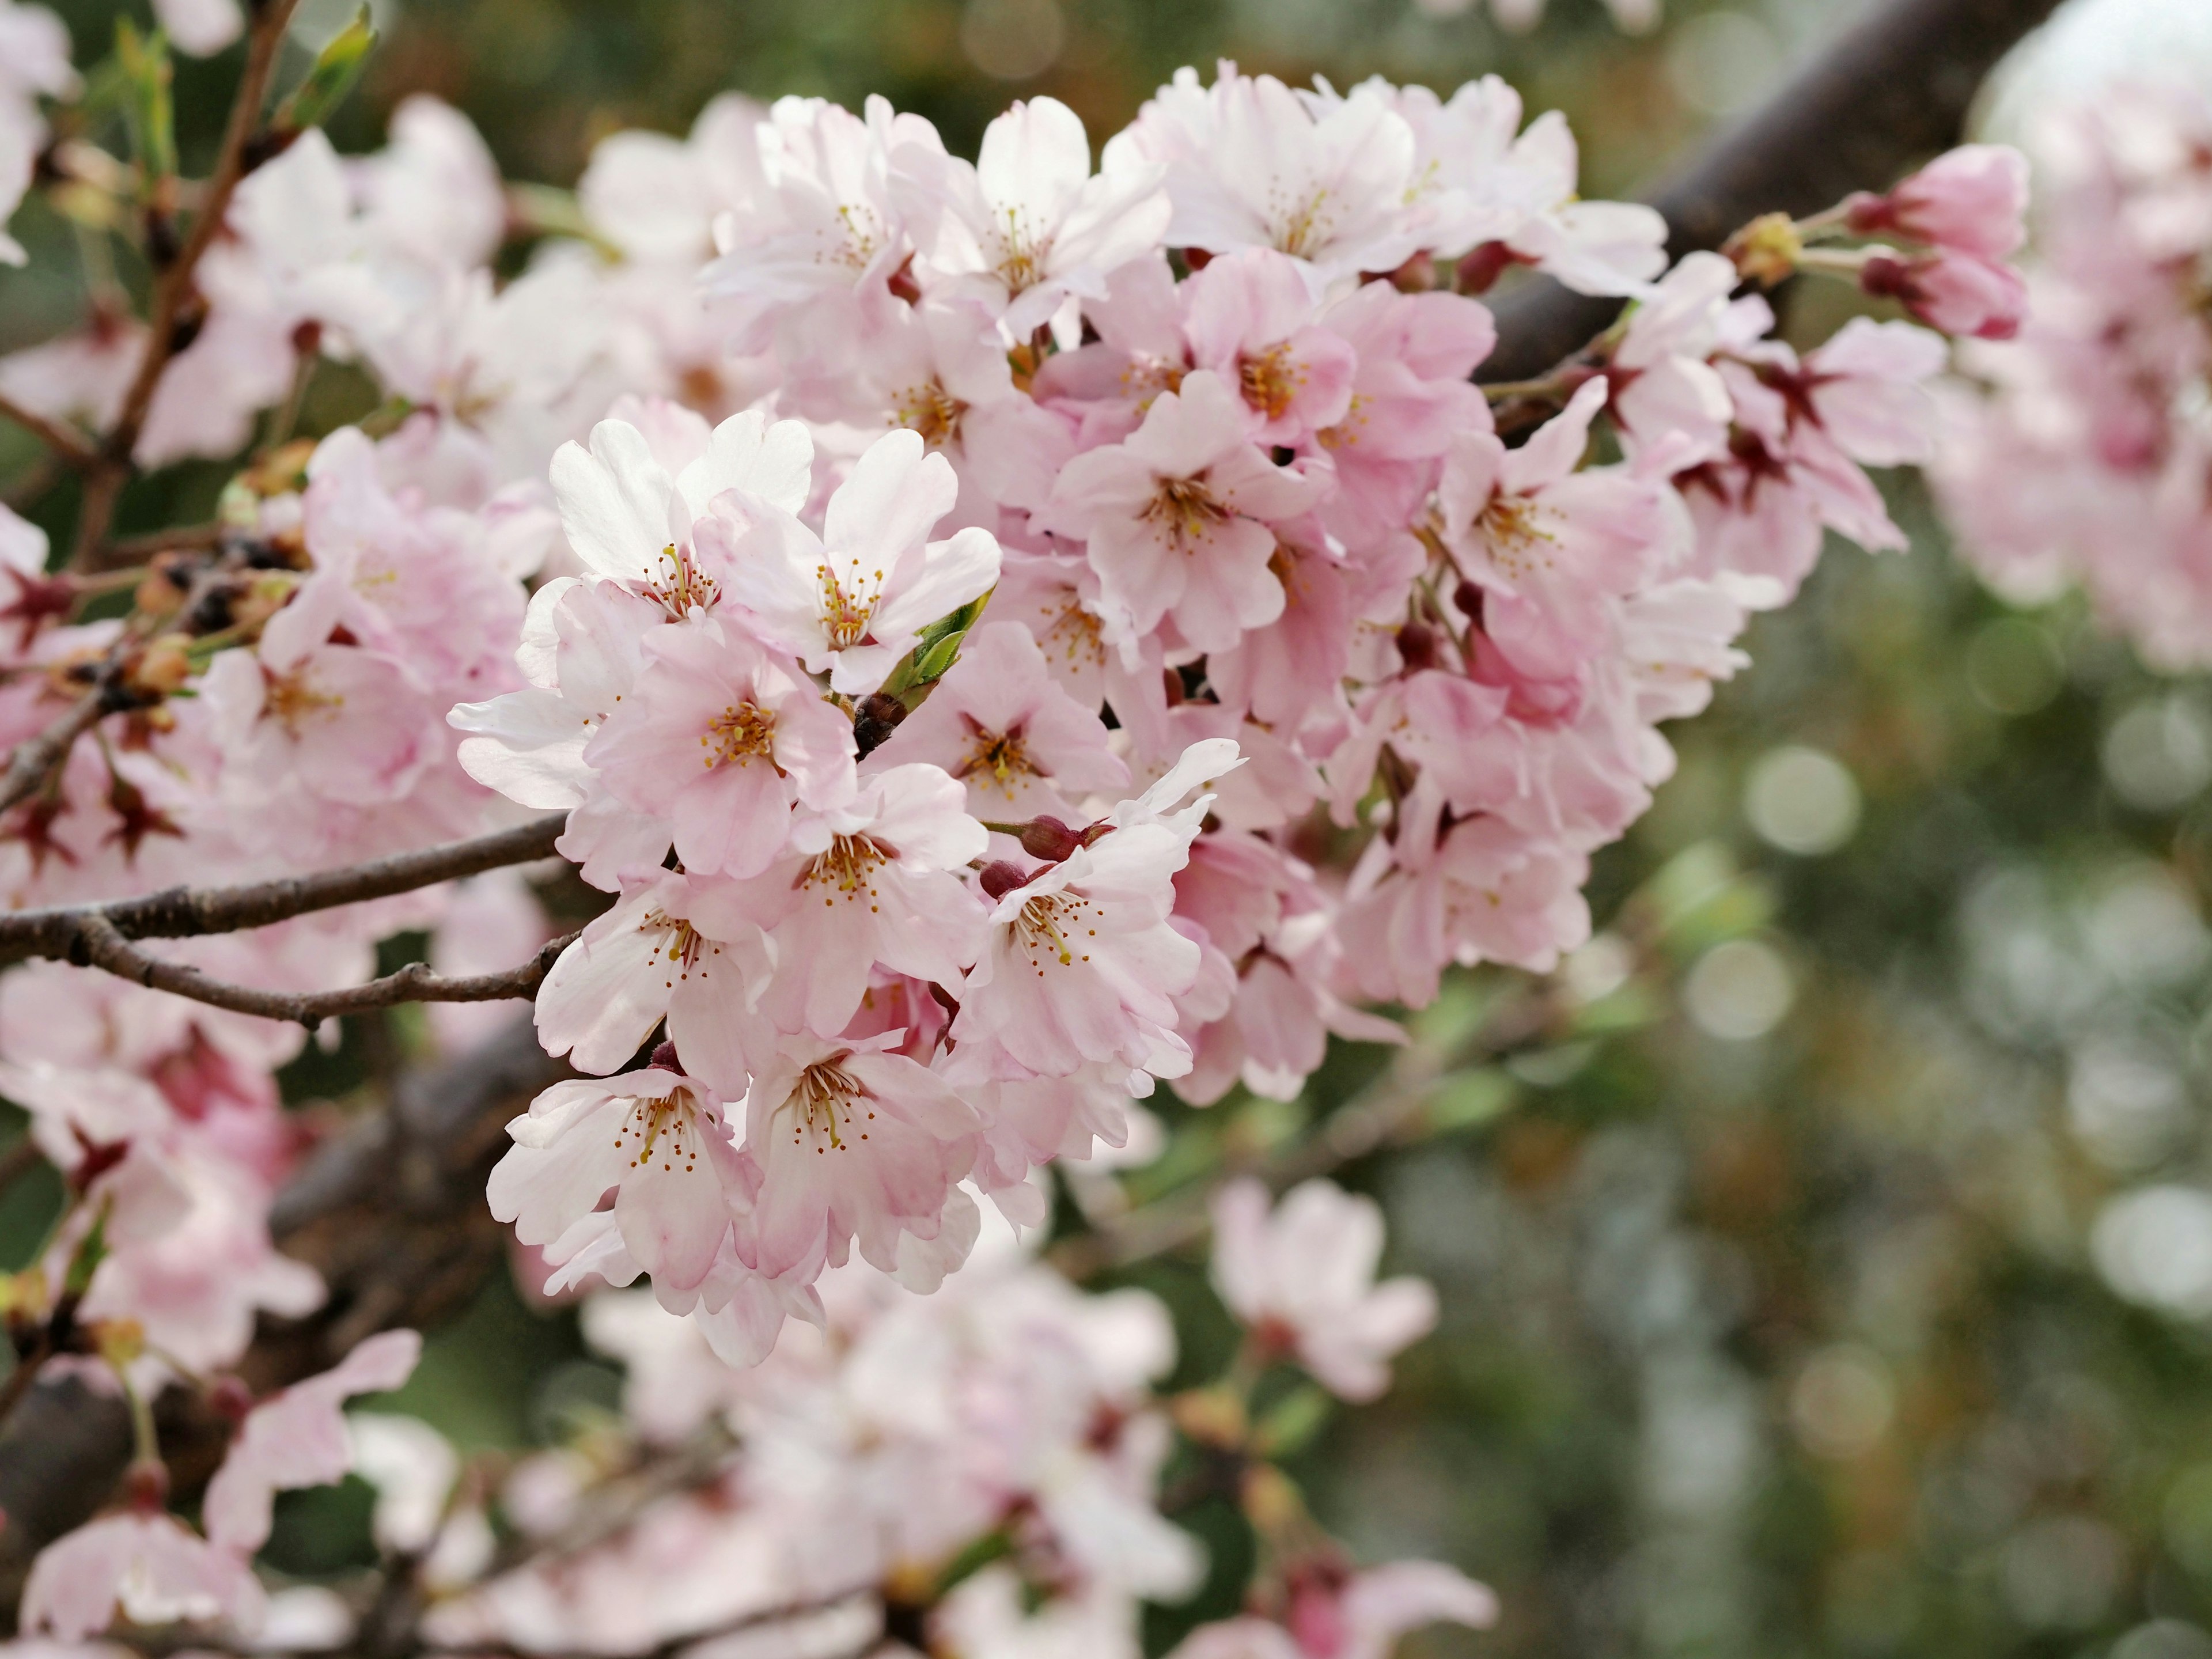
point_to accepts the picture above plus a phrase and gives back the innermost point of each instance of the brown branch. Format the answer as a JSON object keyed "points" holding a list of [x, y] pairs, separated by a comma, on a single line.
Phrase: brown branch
{"points": [[59, 437], [66, 933], [263, 45], [105, 948], [1387, 1111], [1893, 90], [391, 1213], [110, 466], [136, 549], [35, 758]]}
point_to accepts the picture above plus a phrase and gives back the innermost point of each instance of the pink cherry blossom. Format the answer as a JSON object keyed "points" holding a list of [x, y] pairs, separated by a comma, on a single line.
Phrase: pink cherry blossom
{"points": [[1548, 544], [1251, 319], [1249, 163], [146, 1565], [658, 1140], [998, 722], [722, 736], [298, 1438], [1960, 293], [872, 881], [853, 599], [641, 961], [1301, 1276], [1972, 199], [1179, 519], [1029, 225], [854, 1145]]}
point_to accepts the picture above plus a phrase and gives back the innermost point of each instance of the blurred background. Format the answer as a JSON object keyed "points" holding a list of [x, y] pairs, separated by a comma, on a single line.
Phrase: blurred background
{"points": [[1842, 1285]]}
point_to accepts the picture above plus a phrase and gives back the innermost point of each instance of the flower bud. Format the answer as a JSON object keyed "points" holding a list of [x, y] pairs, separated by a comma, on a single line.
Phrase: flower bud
{"points": [[1972, 200], [163, 667], [229, 1398], [1959, 294], [1000, 877], [146, 1485], [1212, 1417], [1048, 839], [1766, 250], [1417, 646], [874, 721]]}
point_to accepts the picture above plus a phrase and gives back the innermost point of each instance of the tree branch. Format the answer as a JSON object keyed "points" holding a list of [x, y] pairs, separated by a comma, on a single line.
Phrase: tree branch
{"points": [[110, 466], [1892, 91], [35, 758], [104, 947], [1388, 1111], [391, 1213], [59, 437], [263, 45], [67, 932]]}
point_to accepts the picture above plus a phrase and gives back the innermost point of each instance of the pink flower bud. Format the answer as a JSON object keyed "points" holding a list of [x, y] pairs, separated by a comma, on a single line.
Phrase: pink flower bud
{"points": [[1958, 293], [1970, 200], [1048, 839], [1000, 877]]}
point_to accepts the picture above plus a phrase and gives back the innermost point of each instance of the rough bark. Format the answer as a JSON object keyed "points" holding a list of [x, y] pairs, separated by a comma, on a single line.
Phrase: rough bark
{"points": [[1892, 92]]}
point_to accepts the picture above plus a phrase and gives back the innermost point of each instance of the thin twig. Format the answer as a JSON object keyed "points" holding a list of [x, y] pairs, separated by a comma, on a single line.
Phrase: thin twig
{"points": [[1387, 1111], [35, 757], [262, 50], [189, 912], [112, 466], [105, 948], [59, 437], [136, 549]]}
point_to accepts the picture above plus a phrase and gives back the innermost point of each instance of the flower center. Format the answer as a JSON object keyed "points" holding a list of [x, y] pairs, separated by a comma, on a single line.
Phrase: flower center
{"points": [[679, 587], [1513, 526], [847, 866], [680, 948], [666, 1128], [863, 235], [1021, 261], [827, 1107], [1055, 924], [930, 409], [848, 611], [1345, 435], [737, 733], [290, 699], [998, 754], [1306, 227], [1185, 512], [1271, 381]]}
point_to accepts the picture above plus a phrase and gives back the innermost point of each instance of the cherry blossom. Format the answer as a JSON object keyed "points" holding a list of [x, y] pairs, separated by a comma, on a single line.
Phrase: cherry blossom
{"points": [[658, 1139], [1028, 225], [998, 722], [1303, 1277], [298, 1438], [854, 598], [1179, 519]]}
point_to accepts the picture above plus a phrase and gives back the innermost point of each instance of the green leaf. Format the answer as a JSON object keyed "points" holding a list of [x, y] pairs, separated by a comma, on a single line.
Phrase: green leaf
{"points": [[89, 1254], [934, 654], [331, 77], [148, 107], [1292, 1421], [1465, 1099]]}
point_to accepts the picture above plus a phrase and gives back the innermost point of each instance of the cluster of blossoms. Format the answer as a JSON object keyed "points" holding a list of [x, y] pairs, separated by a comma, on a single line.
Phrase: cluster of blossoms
{"points": [[975, 1472], [998, 635], [1179, 466], [2087, 457]]}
